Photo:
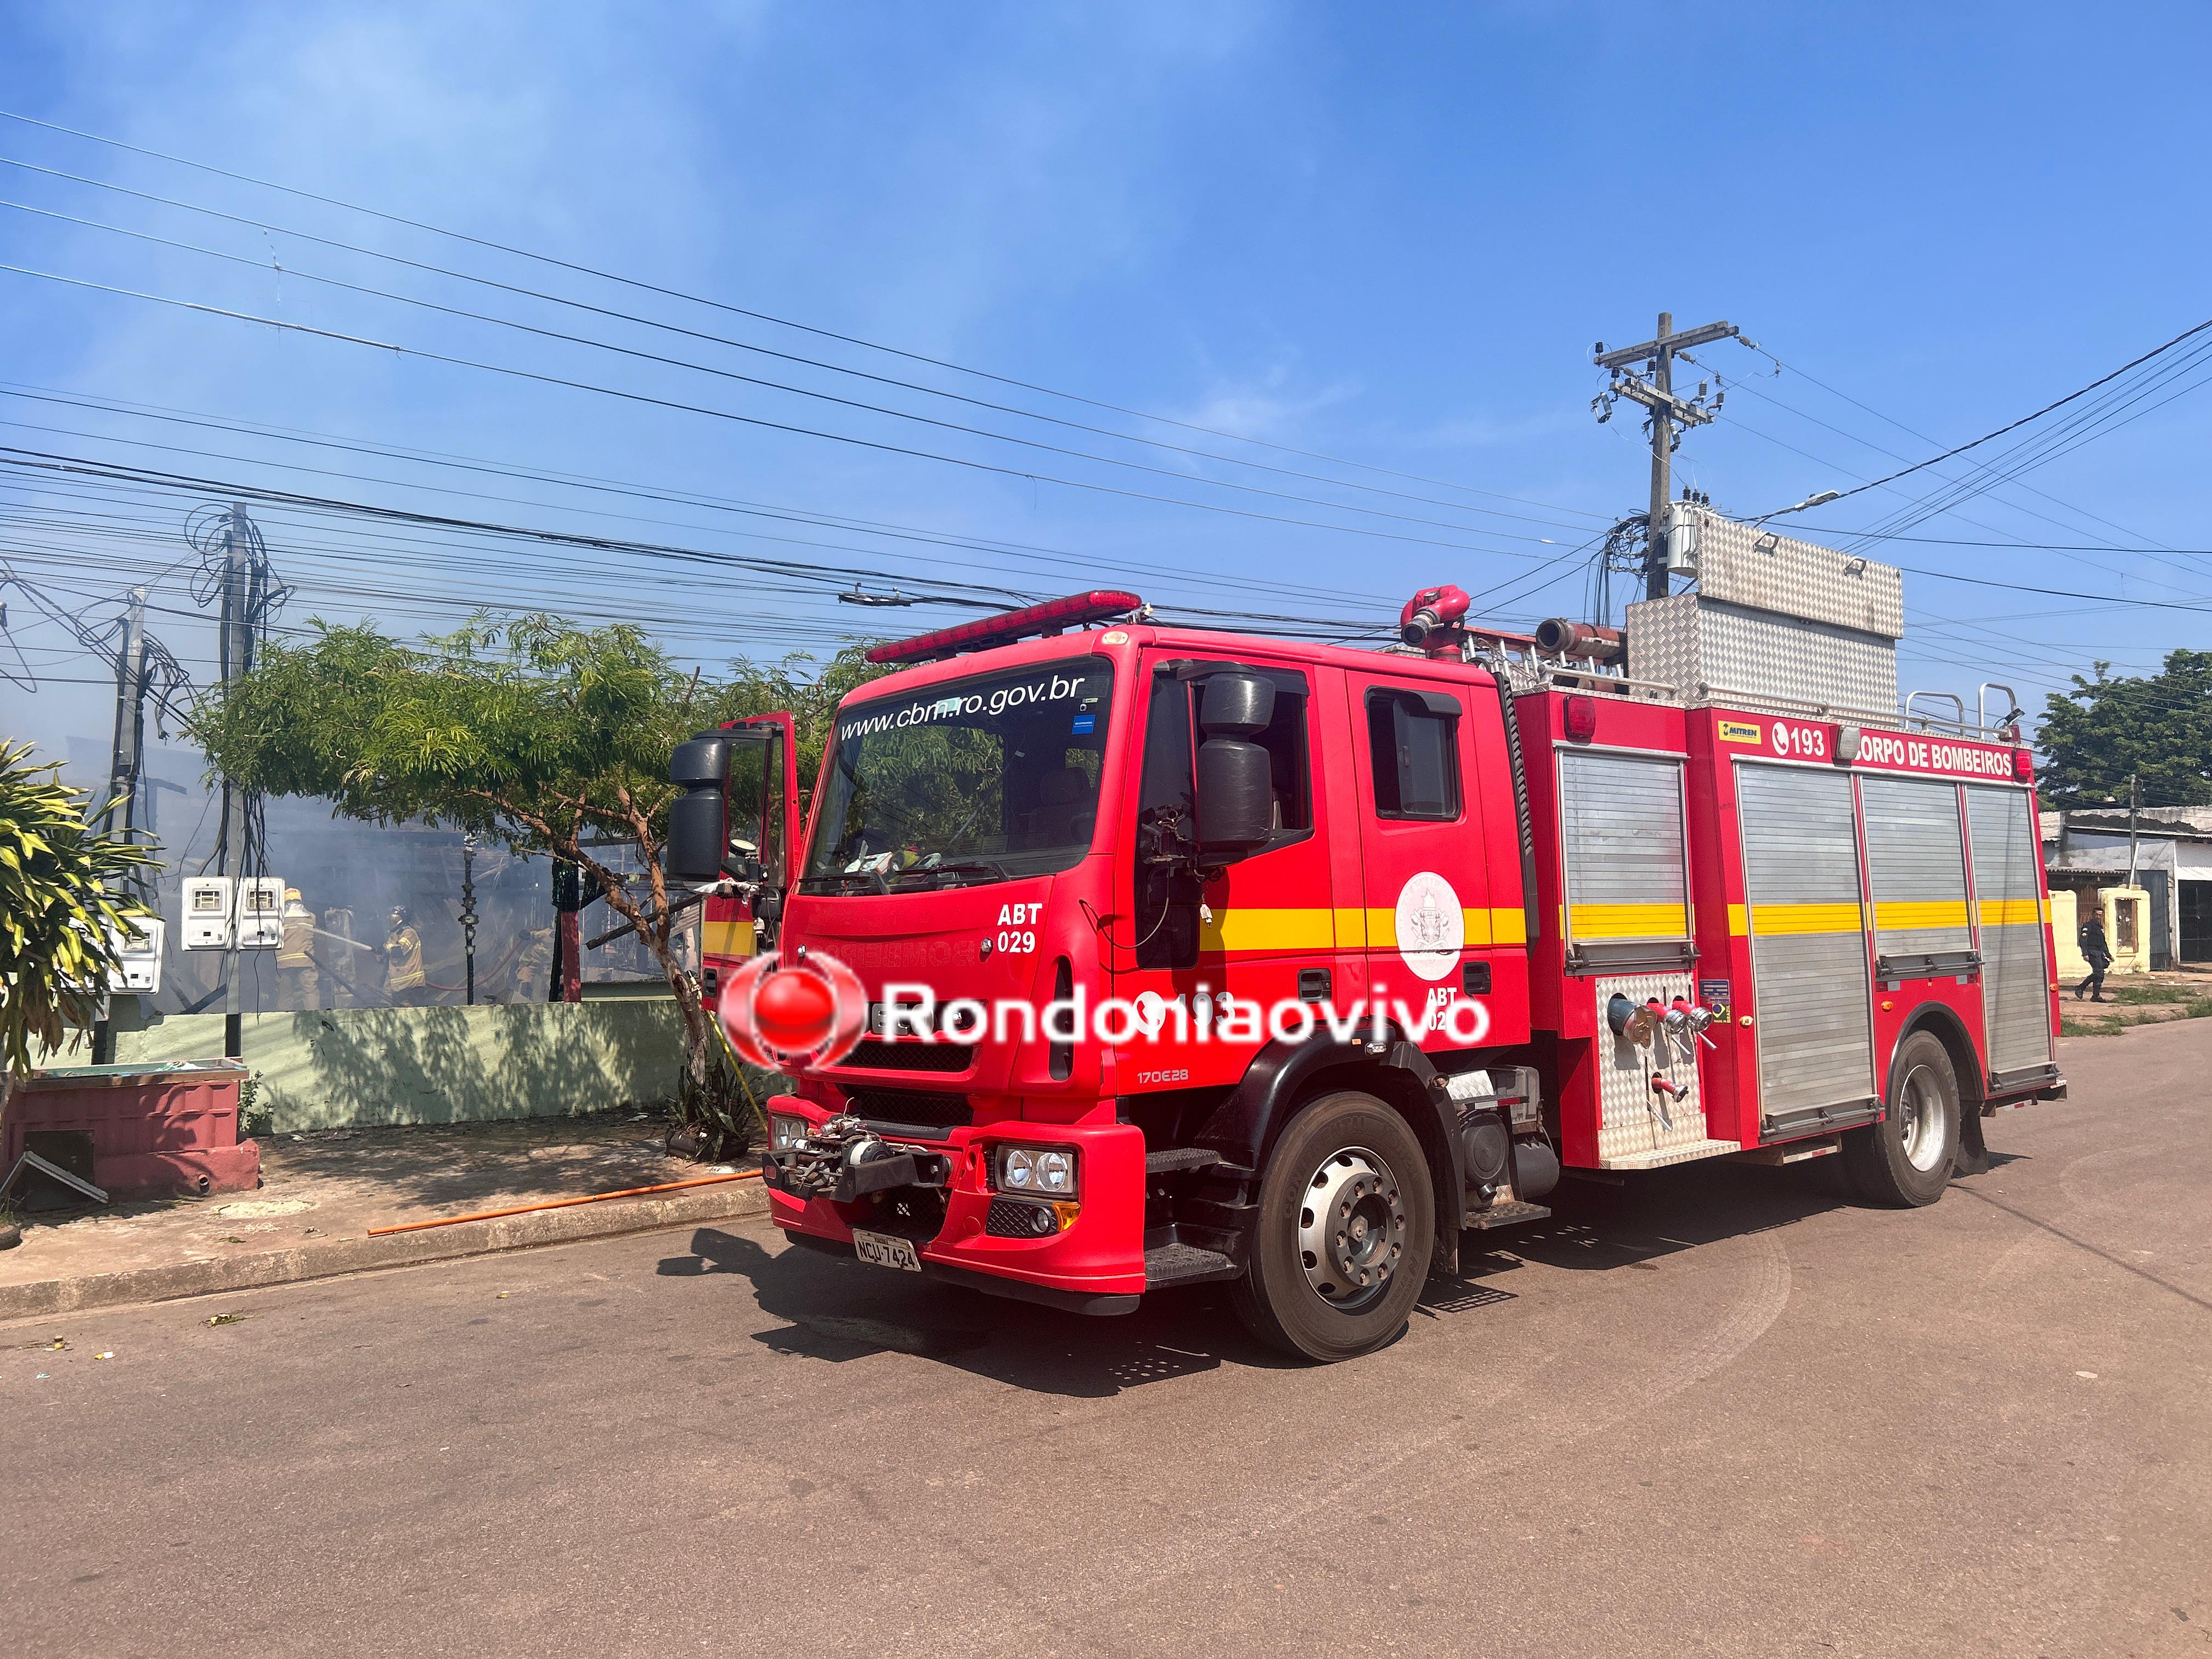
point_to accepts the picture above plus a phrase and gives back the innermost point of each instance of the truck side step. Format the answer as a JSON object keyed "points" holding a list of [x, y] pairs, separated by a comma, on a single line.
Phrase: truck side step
{"points": [[1510, 1213], [1788, 1151], [1185, 1264], [1173, 1159], [1666, 1155]]}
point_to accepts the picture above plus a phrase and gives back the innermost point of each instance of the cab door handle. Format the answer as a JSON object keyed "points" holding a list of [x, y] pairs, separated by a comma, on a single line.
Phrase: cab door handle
{"points": [[1314, 984]]}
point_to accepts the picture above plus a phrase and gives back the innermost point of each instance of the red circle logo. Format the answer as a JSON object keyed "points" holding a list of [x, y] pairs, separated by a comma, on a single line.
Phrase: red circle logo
{"points": [[785, 1016]]}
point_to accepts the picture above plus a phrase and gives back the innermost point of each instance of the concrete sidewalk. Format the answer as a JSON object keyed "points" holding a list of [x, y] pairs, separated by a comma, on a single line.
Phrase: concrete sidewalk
{"points": [[323, 1191]]}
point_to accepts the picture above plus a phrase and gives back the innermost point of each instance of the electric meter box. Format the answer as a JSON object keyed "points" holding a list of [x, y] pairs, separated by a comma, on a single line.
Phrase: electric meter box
{"points": [[207, 901], [139, 947], [260, 913]]}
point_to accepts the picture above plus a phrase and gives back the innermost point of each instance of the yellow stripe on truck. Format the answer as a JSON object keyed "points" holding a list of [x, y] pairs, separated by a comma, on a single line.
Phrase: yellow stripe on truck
{"points": [[1592, 921], [1253, 929], [2011, 913], [1775, 919], [1259, 929], [725, 939], [1896, 915]]}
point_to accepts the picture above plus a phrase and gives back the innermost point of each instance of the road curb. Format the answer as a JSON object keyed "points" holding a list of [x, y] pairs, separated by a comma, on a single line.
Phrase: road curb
{"points": [[329, 1258]]}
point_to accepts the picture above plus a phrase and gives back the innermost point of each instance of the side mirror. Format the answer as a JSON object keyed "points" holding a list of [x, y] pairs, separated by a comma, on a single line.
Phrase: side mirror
{"points": [[698, 818], [1235, 789], [1235, 798]]}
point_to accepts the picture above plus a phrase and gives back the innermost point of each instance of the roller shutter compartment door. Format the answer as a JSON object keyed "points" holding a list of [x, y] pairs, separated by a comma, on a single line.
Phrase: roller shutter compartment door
{"points": [[1917, 870], [1800, 876], [2008, 904], [1621, 825]]}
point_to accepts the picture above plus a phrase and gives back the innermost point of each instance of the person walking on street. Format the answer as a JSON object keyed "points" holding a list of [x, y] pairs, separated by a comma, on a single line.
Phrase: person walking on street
{"points": [[2097, 954], [404, 979]]}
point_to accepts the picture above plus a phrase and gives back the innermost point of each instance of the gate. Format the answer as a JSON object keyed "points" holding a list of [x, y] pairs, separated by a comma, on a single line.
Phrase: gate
{"points": [[1808, 959]]}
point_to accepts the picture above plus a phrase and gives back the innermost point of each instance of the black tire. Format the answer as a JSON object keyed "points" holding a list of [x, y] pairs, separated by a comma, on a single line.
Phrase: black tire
{"points": [[1362, 1153], [1905, 1160]]}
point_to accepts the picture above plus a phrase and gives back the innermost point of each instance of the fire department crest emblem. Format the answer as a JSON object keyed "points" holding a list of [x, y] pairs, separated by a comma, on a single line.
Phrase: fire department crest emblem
{"points": [[1430, 928]]}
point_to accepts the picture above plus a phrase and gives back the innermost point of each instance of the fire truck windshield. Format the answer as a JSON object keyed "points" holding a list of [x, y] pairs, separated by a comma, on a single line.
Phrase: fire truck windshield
{"points": [[976, 780]]}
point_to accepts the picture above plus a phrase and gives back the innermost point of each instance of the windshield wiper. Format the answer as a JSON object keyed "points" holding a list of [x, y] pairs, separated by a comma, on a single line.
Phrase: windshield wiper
{"points": [[835, 877], [990, 868]]}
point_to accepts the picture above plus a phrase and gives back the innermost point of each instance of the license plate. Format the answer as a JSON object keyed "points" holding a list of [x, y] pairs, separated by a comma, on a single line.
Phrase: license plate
{"points": [[883, 1250]]}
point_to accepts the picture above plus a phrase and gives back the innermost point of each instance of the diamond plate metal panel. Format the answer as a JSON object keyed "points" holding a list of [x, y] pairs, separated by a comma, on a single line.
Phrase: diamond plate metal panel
{"points": [[1630, 1127], [1713, 651], [1742, 564]]}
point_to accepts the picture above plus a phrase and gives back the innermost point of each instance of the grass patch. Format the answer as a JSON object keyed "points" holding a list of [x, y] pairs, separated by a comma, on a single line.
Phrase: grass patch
{"points": [[2158, 1010], [2120, 991]]}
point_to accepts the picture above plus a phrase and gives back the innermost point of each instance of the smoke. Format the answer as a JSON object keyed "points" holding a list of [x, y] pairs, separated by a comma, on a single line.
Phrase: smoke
{"points": [[351, 876]]}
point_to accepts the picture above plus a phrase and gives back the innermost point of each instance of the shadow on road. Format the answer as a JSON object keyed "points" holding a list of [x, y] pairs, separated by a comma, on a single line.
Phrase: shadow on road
{"points": [[837, 1311], [1597, 1228]]}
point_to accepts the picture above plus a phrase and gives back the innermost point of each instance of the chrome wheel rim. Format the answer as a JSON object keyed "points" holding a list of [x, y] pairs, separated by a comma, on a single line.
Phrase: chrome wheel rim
{"points": [[1351, 1229], [1920, 1120]]}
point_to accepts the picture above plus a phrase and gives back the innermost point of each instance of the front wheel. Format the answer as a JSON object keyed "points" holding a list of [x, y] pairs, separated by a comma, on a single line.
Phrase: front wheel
{"points": [[1905, 1159], [1344, 1233]]}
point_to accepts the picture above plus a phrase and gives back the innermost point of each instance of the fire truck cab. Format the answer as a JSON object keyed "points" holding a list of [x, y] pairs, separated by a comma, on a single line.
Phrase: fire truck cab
{"points": [[1194, 958]]}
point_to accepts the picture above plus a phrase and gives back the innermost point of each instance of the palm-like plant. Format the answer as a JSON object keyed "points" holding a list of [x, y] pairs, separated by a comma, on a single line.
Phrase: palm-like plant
{"points": [[64, 910]]}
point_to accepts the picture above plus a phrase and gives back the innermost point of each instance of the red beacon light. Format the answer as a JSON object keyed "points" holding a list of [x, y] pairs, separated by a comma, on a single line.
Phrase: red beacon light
{"points": [[1075, 611]]}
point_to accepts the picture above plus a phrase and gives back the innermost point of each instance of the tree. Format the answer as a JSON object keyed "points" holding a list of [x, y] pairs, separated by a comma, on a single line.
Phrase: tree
{"points": [[810, 693], [63, 910], [532, 730], [2157, 727]]}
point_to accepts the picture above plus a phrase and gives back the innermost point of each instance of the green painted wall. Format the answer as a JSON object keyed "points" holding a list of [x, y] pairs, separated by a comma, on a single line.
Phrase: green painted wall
{"points": [[348, 1066]]}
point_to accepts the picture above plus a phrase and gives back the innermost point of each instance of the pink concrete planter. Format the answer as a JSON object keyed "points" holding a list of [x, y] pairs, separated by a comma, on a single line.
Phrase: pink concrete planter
{"points": [[157, 1131]]}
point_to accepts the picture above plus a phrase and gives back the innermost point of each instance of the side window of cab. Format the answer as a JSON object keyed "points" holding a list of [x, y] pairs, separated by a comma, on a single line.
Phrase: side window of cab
{"points": [[1167, 919], [1412, 744]]}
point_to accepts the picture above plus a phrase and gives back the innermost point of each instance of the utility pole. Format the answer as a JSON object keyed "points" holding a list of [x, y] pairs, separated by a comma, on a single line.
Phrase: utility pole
{"points": [[469, 913], [235, 655], [2135, 805], [122, 763], [125, 755], [1668, 413]]}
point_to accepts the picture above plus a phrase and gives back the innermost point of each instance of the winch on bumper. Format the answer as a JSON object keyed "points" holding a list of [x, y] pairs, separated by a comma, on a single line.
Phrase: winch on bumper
{"points": [[843, 1160]]}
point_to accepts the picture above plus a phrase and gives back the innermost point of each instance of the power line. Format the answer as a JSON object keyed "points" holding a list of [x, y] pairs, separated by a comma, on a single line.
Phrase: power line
{"points": [[1837, 391], [2011, 426], [740, 310], [812, 432], [718, 339], [997, 549]]}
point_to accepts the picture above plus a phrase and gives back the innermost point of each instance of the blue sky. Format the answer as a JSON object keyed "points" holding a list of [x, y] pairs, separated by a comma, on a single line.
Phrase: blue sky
{"points": [[1386, 235]]}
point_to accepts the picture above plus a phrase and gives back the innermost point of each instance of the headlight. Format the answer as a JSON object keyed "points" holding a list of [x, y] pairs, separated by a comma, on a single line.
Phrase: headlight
{"points": [[784, 1133], [1043, 1169]]}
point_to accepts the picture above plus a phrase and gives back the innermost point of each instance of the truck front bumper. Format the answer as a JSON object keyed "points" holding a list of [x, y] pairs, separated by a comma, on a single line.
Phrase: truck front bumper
{"points": [[1093, 1263]]}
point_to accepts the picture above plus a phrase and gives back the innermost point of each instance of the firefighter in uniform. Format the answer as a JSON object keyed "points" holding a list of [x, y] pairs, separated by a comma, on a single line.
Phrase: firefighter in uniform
{"points": [[403, 980], [295, 956], [533, 967]]}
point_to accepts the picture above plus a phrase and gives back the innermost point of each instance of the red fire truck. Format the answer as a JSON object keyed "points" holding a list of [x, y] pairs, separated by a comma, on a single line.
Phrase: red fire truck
{"points": [[1337, 954]]}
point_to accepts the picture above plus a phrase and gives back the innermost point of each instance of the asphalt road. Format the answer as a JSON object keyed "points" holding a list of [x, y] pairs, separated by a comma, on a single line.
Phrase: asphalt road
{"points": [[1725, 1413]]}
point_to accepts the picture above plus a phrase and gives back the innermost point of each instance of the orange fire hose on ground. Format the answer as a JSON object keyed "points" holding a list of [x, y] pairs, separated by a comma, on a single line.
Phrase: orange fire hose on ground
{"points": [[562, 1203], [594, 1198]]}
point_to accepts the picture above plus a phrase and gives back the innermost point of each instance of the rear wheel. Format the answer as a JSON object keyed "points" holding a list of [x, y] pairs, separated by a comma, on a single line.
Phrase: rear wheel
{"points": [[1345, 1228], [1905, 1160]]}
